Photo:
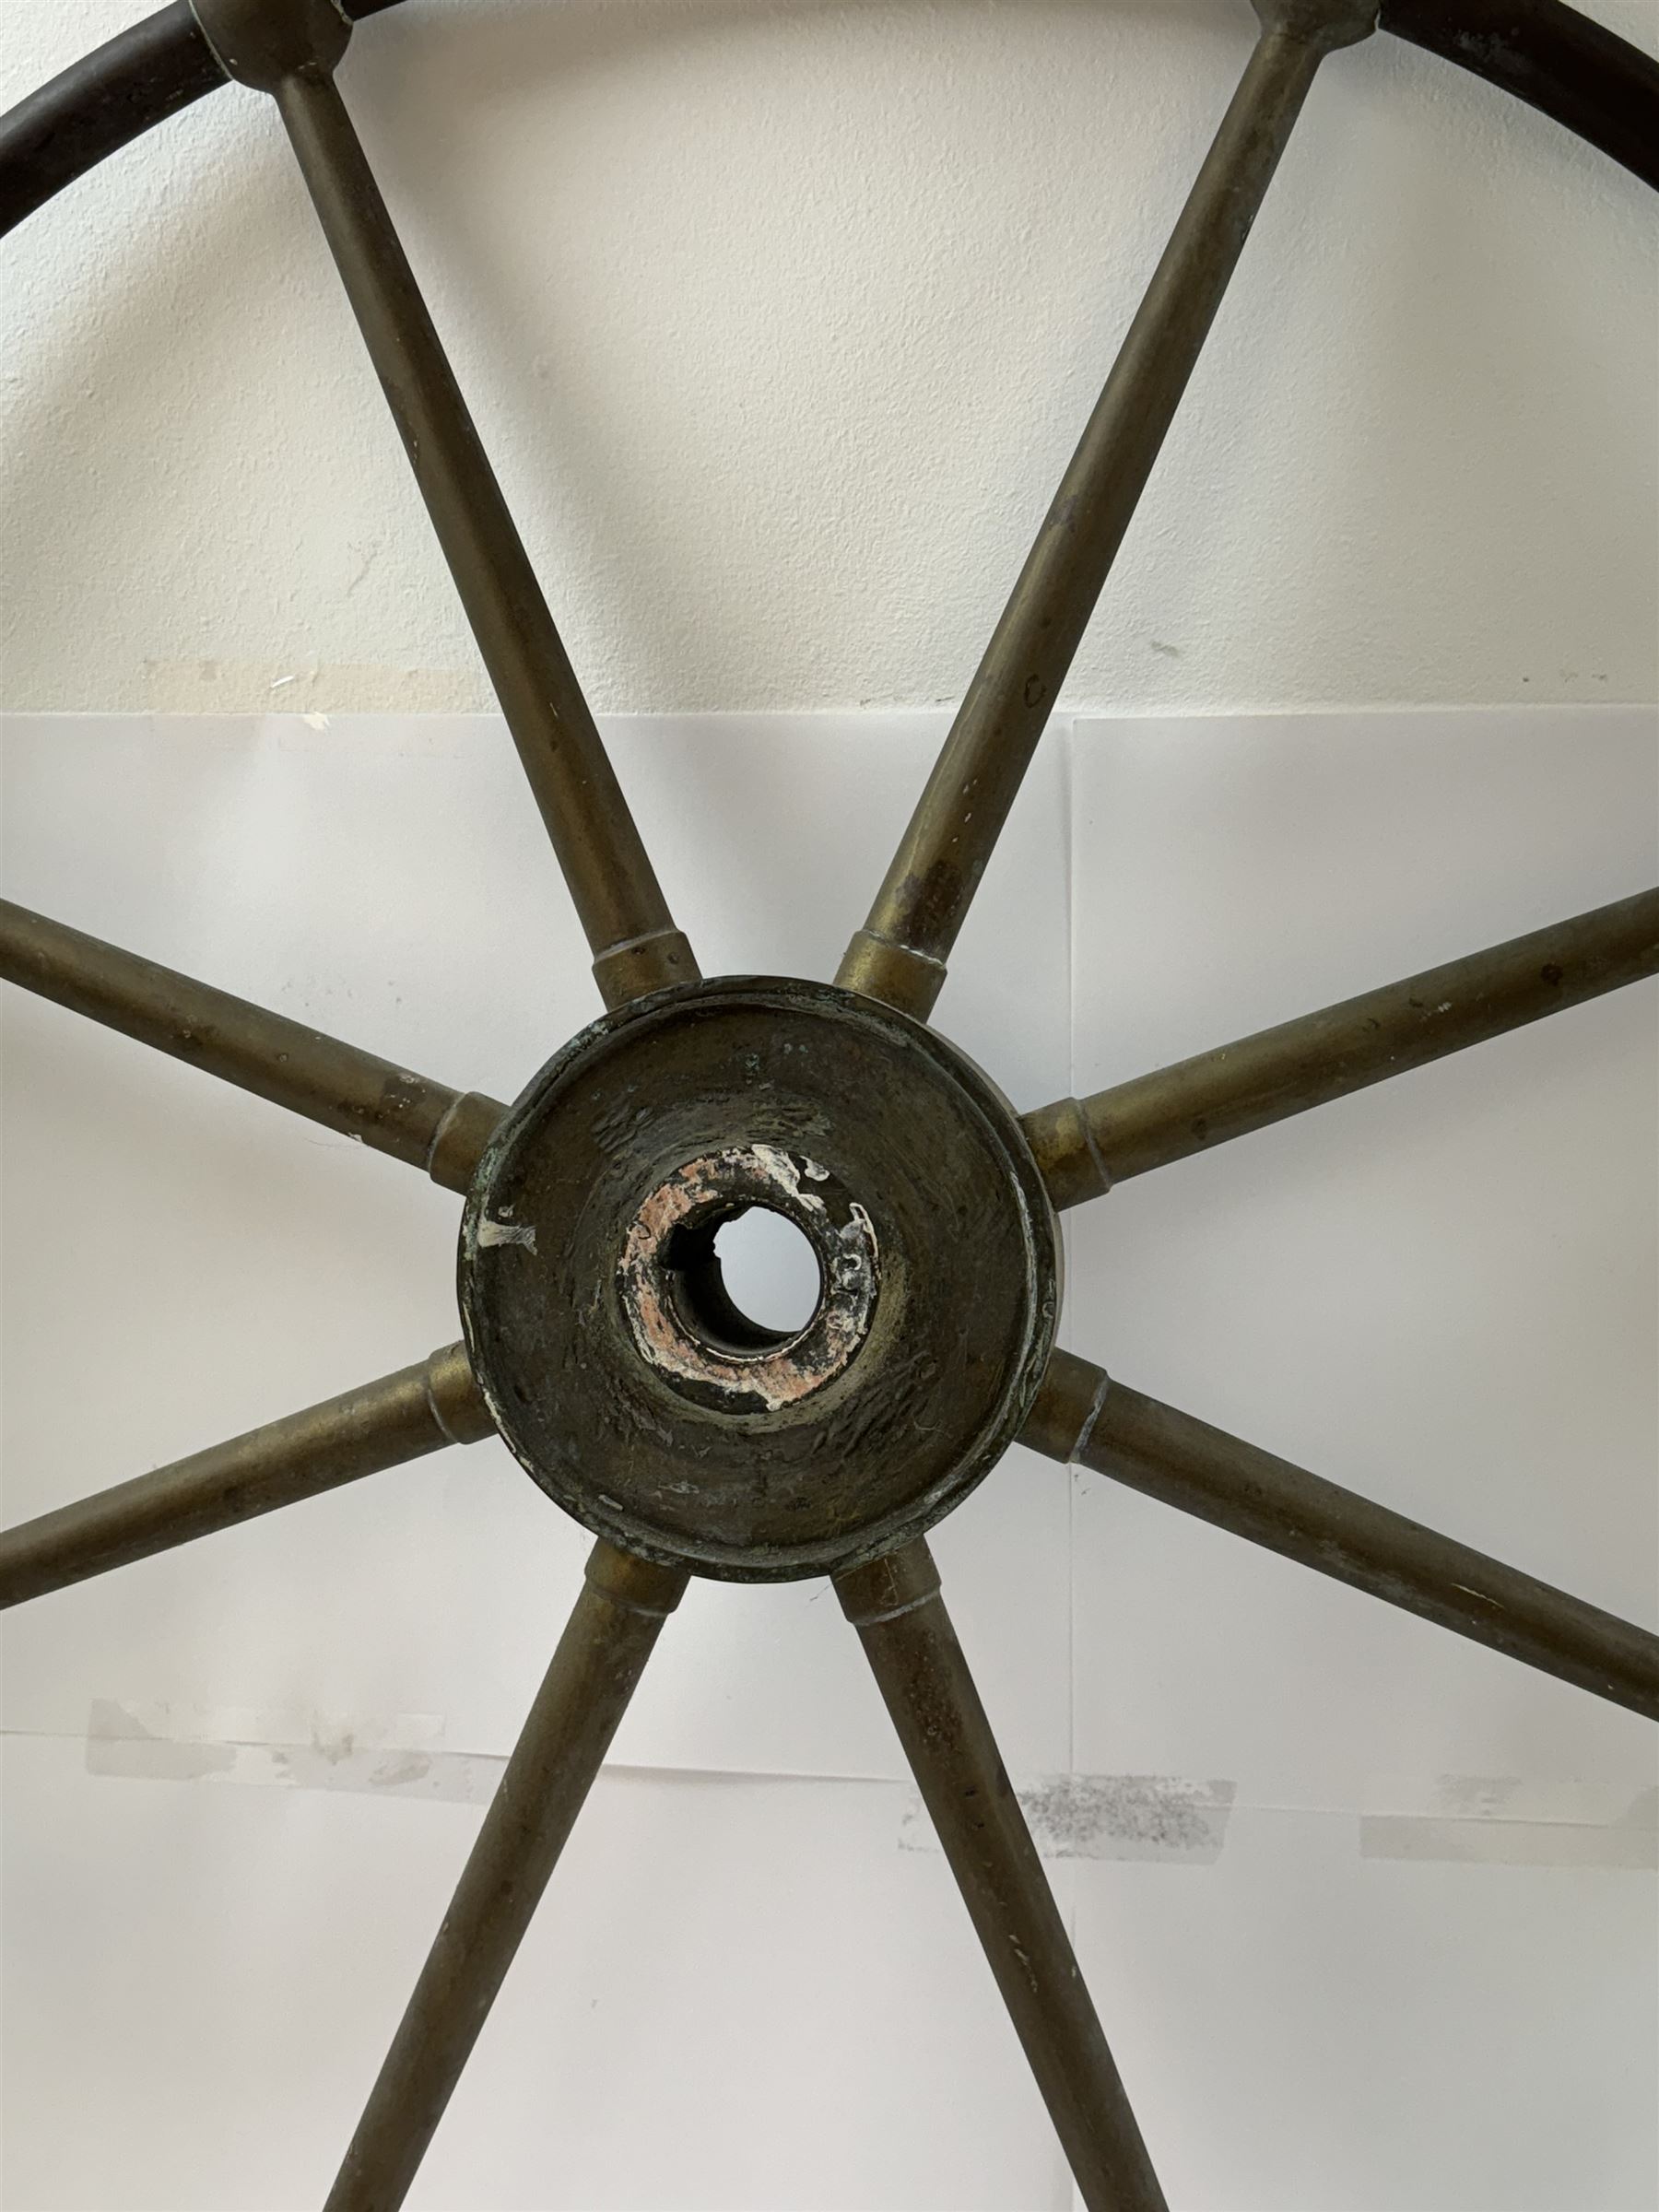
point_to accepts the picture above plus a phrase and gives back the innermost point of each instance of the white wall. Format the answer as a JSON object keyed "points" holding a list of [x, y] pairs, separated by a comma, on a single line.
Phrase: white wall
{"points": [[780, 321], [1370, 1912]]}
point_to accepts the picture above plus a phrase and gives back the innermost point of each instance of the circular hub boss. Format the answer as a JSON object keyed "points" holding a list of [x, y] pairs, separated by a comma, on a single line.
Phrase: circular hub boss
{"points": [[601, 1331]]}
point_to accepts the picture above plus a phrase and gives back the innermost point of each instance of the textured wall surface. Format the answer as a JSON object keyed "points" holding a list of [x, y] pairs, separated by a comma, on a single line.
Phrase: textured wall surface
{"points": [[780, 321]]}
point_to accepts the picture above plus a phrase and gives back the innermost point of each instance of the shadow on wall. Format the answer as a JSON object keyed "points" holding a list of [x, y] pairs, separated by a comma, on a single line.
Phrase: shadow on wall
{"points": [[779, 322], [203, 225]]}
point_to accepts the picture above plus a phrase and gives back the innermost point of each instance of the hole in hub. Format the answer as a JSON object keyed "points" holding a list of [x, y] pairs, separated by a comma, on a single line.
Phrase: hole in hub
{"points": [[745, 1281], [771, 1271]]}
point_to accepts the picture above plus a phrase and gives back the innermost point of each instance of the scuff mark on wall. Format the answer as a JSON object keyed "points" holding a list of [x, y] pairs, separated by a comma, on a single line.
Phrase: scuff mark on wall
{"points": [[228, 687], [400, 1756], [1469, 1819], [1111, 1816], [1506, 1820]]}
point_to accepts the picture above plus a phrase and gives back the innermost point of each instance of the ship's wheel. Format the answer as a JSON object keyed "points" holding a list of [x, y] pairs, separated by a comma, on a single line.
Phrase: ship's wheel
{"points": [[598, 1335]]}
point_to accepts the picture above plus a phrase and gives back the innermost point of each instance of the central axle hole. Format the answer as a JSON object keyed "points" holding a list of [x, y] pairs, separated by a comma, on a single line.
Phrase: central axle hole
{"points": [[746, 1282], [771, 1270]]}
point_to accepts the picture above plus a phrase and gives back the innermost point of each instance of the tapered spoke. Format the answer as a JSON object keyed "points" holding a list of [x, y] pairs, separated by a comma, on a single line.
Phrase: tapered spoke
{"points": [[1083, 1146], [600, 1658], [900, 953], [1084, 1417], [617, 898], [419, 1409], [414, 1119], [895, 1604]]}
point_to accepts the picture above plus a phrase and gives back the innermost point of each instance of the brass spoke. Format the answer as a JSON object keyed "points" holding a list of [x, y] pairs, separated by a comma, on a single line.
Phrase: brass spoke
{"points": [[402, 1417], [385, 1106], [1083, 1146], [900, 953], [1084, 1417], [577, 1711], [894, 1602], [292, 55]]}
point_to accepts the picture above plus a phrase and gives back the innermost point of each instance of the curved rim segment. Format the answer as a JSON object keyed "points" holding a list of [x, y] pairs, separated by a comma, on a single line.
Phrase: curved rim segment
{"points": [[1553, 57], [1543, 53], [101, 104], [110, 97]]}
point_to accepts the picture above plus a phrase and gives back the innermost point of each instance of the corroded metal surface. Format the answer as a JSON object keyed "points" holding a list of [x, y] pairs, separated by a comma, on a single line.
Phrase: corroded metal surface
{"points": [[595, 1317], [674, 1295]]}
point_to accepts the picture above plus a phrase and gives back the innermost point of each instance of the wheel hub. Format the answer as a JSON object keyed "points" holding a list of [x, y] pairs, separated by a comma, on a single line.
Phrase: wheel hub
{"points": [[625, 1377]]}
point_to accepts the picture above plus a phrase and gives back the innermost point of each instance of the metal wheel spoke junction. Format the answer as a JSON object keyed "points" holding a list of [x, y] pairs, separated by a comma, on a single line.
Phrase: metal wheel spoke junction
{"points": [[383, 1105], [902, 952], [601, 1340], [402, 1417], [578, 1709], [291, 52], [1083, 1146], [1084, 1417], [895, 1604]]}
